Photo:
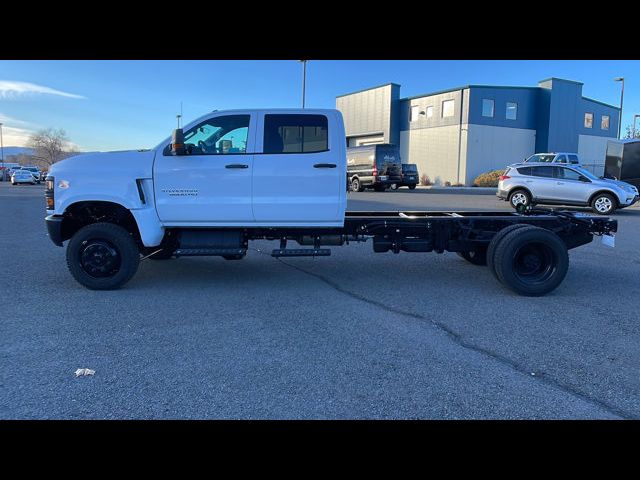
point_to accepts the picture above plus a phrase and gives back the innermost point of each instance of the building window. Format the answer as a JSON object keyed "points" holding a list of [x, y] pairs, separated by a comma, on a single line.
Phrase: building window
{"points": [[429, 112], [447, 108], [415, 111], [588, 120], [487, 107], [512, 111], [604, 123]]}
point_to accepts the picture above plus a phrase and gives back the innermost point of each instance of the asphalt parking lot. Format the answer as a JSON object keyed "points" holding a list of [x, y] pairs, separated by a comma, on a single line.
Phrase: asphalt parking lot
{"points": [[355, 335]]}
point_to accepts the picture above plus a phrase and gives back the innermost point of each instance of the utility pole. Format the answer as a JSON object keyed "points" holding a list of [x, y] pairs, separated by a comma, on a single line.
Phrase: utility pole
{"points": [[304, 79], [2, 152], [179, 116], [620, 79], [634, 125]]}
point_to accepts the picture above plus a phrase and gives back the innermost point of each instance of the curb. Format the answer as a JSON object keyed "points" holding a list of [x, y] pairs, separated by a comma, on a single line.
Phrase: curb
{"points": [[458, 190]]}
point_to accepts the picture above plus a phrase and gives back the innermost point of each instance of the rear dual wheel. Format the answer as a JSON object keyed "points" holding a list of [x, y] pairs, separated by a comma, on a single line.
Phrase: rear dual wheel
{"points": [[531, 261]]}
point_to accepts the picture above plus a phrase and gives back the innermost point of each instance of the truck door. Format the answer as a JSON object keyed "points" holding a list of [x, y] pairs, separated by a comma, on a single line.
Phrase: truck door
{"points": [[298, 176], [211, 184]]}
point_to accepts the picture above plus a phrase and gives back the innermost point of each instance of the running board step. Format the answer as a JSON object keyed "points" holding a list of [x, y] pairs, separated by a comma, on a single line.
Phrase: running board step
{"points": [[301, 252], [198, 252]]}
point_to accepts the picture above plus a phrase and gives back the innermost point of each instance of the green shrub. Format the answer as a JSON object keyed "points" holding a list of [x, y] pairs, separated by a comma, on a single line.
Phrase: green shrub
{"points": [[489, 179]]}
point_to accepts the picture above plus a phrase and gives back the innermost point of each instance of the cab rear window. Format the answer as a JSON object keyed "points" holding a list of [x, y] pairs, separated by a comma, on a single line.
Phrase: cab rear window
{"points": [[295, 133]]}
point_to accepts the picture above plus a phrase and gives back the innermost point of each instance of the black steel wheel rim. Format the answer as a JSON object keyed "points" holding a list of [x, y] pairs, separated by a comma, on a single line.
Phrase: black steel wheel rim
{"points": [[534, 263], [100, 258]]}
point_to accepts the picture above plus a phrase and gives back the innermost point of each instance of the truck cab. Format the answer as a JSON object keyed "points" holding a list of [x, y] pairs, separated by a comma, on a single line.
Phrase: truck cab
{"points": [[267, 168]]}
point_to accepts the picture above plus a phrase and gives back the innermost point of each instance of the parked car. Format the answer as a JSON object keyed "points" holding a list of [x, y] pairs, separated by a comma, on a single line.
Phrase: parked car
{"points": [[554, 157], [542, 183], [13, 169], [35, 171], [22, 176], [373, 166], [410, 177], [5, 170], [622, 161]]}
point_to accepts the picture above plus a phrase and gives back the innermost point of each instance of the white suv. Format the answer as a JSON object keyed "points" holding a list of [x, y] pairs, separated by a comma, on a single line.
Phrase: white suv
{"points": [[557, 184]]}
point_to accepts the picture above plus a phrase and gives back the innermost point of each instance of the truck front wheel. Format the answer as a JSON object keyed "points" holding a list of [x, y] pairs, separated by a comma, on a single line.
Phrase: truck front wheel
{"points": [[102, 256]]}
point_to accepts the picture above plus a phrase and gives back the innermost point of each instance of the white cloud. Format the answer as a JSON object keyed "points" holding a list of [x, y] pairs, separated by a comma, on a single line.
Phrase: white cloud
{"points": [[15, 132], [10, 89], [15, 137]]}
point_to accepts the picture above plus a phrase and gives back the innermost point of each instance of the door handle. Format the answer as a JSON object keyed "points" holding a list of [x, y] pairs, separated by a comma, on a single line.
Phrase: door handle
{"points": [[560, 183], [529, 181], [236, 165], [325, 165]]}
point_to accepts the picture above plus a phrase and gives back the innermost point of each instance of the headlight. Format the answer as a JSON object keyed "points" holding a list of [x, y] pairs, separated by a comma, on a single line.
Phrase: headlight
{"points": [[48, 193]]}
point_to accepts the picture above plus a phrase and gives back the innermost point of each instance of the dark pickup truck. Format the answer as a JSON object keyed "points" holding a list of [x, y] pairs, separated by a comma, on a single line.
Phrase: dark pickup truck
{"points": [[410, 177]]}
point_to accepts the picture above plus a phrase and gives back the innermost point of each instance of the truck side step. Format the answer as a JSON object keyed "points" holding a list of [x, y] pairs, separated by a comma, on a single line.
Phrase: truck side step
{"points": [[301, 252], [197, 252]]}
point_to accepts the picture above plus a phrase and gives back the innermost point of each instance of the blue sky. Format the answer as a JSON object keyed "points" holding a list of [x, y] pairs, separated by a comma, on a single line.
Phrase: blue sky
{"points": [[110, 105]]}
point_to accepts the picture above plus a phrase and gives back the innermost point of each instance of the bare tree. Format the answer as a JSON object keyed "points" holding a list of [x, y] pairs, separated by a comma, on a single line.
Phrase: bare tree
{"points": [[629, 132], [49, 145]]}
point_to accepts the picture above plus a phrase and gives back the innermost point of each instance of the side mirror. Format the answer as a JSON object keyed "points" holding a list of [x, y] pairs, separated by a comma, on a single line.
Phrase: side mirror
{"points": [[177, 142], [582, 178]]}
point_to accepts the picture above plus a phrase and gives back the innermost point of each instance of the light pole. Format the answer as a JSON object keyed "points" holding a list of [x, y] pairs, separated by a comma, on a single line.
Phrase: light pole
{"points": [[634, 125], [2, 152], [304, 79], [620, 79]]}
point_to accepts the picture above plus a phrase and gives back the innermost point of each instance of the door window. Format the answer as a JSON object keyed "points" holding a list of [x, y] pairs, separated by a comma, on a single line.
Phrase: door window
{"points": [[568, 174], [546, 172], [561, 159], [217, 136], [295, 133], [574, 159]]}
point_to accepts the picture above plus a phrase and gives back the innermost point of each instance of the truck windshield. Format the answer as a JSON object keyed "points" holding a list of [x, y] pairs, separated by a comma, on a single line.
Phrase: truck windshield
{"points": [[541, 157]]}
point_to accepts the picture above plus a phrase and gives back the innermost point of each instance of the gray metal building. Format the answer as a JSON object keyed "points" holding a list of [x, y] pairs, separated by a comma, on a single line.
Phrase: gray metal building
{"points": [[454, 135]]}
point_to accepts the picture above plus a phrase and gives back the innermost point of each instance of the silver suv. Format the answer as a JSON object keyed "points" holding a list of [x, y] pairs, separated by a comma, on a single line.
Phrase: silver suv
{"points": [[557, 184]]}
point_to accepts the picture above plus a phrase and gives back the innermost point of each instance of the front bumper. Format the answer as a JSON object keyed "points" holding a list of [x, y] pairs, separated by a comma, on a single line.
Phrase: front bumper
{"points": [[632, 202], [54, 228]]}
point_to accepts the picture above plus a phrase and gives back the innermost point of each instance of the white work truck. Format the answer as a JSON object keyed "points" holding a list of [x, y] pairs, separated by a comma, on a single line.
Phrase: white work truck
{"points": [[231, 177]]}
